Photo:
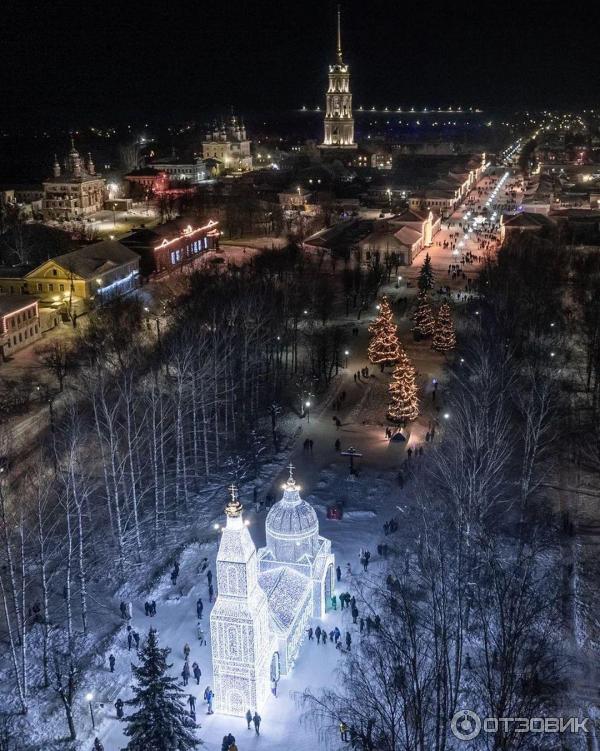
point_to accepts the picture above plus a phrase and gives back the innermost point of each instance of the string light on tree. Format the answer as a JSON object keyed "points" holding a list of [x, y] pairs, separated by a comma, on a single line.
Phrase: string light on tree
{"points": [[444, 337], [384, 346], [423, 317], [404, 404], [426, 280]]}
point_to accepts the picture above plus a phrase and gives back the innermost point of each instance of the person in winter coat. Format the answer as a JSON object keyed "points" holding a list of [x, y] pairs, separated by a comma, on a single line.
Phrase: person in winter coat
{"points": [[136, 639], [310, 633], [97, 745], [354, 614], [248, 718], [186, 651], [338, 573], [197, 672], [209, 576], [123, 609], [199, 608], [318, 634], [348, 640], [185, 673], [334, 602], [200, 632], [129, 638], [209, 701], [256, 720], [211, 592], [192, 703], [111, 662], [343, 732], [337, 634], [119, 708]]}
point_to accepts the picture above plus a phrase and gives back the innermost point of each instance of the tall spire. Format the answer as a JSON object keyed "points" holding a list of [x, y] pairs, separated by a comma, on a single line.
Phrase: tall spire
{"points": [[339, 35], [234, 508]]}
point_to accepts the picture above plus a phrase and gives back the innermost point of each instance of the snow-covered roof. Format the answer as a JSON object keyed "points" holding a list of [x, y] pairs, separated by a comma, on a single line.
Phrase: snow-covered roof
{"points": [[287, 591]]}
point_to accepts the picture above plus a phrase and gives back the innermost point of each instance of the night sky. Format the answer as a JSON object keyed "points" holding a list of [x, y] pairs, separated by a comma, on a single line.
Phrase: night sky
{"points": [[67, 61]]}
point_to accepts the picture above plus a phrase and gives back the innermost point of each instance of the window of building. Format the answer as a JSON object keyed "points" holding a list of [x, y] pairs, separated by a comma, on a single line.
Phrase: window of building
{"points": [[61, 287], [54, 272], [50, 287], [39, 287]]}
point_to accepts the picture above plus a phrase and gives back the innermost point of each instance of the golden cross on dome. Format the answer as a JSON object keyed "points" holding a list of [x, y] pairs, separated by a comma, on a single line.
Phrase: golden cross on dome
{"points": [[234, 507]]}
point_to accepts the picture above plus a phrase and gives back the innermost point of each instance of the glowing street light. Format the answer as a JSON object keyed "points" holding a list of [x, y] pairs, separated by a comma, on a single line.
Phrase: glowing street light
{"points": [[89, 697], [307, 405], [346, 353]]}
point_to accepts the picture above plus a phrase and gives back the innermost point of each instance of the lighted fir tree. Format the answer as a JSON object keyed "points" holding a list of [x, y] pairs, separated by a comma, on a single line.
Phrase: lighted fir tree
{"points": [[404, 404], [423, 316], [426, 280], [384, 346], [160, 721], [444, 336]]}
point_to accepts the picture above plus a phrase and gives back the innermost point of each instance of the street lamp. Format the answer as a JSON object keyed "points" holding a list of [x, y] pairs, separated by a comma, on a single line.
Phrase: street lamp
{"points": [[389, 195], [89, 698], [307, 405], [114, 214], [346, 353]]}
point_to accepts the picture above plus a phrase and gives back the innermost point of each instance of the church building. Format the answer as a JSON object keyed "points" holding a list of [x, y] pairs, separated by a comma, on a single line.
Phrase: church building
{"points": [[75, 190], [266, 599], [339, 122]]}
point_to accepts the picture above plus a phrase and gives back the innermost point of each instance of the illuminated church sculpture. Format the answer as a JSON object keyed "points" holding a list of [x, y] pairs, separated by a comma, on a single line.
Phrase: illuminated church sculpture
{"points": [[266, 599]]}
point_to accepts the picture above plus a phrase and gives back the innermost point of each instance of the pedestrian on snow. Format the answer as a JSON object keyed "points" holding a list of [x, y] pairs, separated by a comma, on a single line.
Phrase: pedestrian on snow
{"points": [[186, 651], [123, 608], [348, 570], [344, 732], [338, 573], [362, 625], [310, 633], [153, 608], [348, 640], [136, 639], [209, 577], [209, 701], [200, 631], [377, 623], [248, 718], [174, 575], [199, 608], [185, 673], [318, 634], [331, 635], [354, 614], [324, 636], [97, 745], [211, 592], [111, 662], [197, 672], [192, 703], [334, 602], [273, 689], [256, 720], [337, 634], [119, 708], [129, 638], [147, 608]]}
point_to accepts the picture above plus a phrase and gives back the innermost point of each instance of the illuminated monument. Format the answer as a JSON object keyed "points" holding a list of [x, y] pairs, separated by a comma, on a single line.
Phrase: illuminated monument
{"points": [[266, 599], [339, 123]]}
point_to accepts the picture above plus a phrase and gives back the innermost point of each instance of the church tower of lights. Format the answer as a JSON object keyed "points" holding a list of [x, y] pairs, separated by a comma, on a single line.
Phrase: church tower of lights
{"points": [[339, 123]]}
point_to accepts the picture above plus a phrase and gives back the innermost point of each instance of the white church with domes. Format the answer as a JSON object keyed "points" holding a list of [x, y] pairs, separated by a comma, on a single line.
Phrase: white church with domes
{"points": [[266, 598]]}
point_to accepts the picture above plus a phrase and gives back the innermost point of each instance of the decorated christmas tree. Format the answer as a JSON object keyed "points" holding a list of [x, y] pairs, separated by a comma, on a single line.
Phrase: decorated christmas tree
{"points": [[444, 337], [404, 404], [384, 346], [426, 275], [160, 722], [423, 316]]}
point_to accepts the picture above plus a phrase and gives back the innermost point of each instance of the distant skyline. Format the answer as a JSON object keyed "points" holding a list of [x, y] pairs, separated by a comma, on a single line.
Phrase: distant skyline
{"points": [[70, 62]]}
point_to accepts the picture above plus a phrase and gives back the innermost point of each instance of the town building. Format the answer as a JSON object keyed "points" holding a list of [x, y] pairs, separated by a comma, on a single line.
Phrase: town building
{"points": [[339, 120], [74, 190], [266, 599], [524, 222], [146, 181], [178, 171], [228, 145], [172, 246], [405, 235], [73, 282], [19, 323]]}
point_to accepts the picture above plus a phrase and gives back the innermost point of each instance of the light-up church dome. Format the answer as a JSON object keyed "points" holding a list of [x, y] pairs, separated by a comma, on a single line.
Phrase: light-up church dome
{"points": [[292, 526]]}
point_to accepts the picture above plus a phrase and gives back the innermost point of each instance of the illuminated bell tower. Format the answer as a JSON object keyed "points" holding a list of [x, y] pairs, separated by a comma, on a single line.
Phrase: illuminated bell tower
{"points": [[339, 123]]}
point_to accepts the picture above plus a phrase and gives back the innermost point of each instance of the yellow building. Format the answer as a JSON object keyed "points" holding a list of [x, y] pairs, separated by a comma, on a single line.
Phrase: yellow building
{"points": [[74, 282]]}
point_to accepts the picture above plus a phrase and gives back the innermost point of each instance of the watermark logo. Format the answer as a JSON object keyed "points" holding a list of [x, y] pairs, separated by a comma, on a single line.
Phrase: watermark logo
{"points": [[467, 725]]}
